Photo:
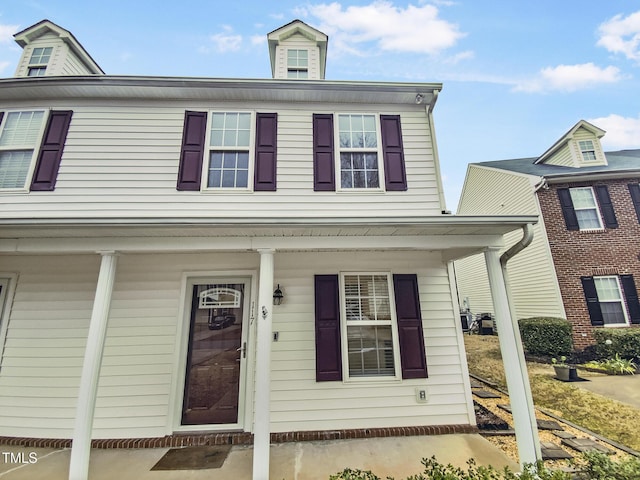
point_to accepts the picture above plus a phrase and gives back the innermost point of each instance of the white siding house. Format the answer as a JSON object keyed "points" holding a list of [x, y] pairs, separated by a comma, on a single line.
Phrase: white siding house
{"points": [[236, 257]]}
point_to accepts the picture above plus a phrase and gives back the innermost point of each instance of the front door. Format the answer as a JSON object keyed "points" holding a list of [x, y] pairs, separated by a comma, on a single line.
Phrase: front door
{"points": [[216, 353]]}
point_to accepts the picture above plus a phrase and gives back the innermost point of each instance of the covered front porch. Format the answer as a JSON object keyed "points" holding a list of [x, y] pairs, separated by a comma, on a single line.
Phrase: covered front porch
{"points": [[148, 266]]}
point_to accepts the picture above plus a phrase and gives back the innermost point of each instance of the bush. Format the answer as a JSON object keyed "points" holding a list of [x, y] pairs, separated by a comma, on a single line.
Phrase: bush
{"points": [[624, 341], [614, 366], [546, 336], [598, 466]]}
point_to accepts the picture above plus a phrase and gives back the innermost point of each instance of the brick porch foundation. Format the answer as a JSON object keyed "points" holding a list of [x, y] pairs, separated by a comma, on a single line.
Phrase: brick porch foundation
{"points": [[242, 438]]}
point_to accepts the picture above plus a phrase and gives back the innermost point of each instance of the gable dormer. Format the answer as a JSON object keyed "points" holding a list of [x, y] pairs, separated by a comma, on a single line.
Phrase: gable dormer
{"points": [[49, 49], [579, 147], [297, 51]]}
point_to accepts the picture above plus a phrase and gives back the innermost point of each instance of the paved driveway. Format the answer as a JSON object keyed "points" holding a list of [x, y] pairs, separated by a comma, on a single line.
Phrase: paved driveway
{"points": [[624, 388]]}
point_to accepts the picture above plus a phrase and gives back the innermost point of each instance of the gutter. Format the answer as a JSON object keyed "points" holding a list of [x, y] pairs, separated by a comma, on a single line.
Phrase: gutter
{"points": [[436, 156]]}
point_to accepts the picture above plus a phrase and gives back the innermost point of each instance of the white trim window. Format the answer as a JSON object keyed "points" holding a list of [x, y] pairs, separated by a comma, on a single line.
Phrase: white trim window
{"points": [[230, 142], [297, 63], [586, 208], [587, 150], [614, 311], [39, 60], [369, 330], [20, 132], [359, 151]]}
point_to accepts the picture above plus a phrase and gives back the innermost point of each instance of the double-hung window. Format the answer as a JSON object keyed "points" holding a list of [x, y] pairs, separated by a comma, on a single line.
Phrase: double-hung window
{"points": [[39, 60], [610, 299], [369, 329], [297, 63], [229, 149], [586, 208], [358, 143], [20, 133], [587, 150]]}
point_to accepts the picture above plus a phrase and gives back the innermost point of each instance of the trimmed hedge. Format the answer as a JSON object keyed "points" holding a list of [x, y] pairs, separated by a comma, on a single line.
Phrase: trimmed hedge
{"points": [[624, 341], [546, 336]]}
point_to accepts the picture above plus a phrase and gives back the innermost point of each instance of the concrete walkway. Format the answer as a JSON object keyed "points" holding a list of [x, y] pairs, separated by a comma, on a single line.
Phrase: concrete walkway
{"points": [[397, 456], [624, 388]]}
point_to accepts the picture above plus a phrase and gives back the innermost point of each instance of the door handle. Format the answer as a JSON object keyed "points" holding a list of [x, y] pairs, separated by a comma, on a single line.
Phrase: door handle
{"points": [[243, 349]]}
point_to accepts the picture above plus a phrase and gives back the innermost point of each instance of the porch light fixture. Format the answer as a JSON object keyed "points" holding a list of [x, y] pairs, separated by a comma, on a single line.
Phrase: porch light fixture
{"points": [[277, 296]]}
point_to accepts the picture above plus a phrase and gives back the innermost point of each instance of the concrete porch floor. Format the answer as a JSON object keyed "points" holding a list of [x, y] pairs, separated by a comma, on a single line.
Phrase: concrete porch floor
{"points": [[397, 456]]}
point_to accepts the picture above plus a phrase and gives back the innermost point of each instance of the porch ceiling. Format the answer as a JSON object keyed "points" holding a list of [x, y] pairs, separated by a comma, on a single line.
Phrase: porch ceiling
{"points": [[460, 235]]}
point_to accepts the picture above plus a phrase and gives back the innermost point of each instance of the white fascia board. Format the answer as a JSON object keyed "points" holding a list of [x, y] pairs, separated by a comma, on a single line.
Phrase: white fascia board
{"points": [[592, 176]]}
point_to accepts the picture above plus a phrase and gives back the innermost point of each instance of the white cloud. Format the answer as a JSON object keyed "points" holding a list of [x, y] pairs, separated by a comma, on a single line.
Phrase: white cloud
{"points": [[622, 132], [414, 29], [6, 33], [226, 41], [622, 35], [569, 78], [458, 57], [258, 39]]}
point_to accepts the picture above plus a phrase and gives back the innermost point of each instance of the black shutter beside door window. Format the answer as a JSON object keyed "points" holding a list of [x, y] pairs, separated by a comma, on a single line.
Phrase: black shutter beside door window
{"points": [[410, 334], [631, 297], [328, 338], [634, 191], [593, 304]]}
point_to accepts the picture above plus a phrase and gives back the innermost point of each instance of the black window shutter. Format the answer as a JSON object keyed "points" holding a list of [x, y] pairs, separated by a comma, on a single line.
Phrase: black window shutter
{"points": [[192, 151], [266, 152], [593, 304], [327, 311], [324, 178], [569, 214], [634, 190], [395, 177], [606, 207], [50, 154], [410, 335], [631, 296]]}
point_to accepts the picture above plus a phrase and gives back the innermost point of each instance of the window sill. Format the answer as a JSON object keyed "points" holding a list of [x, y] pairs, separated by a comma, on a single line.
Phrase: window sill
{"points": [[372, 381], [592, 230], [352, 191], [14, 190], [218, 191]]}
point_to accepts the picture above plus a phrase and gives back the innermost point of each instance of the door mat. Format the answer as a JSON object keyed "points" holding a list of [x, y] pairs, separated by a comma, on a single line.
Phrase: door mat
{"points": [[193, 458]]}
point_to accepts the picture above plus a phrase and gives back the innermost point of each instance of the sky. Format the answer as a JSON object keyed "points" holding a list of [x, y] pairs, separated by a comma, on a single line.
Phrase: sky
{"points": [[516, 75]]}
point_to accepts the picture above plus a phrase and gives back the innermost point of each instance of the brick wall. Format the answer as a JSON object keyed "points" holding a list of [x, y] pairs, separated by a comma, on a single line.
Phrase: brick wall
{"points": [[583, 253]]}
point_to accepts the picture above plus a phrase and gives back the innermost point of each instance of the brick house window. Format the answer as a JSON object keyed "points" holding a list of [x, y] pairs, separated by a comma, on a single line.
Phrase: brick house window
{"points": [[612, 300]]}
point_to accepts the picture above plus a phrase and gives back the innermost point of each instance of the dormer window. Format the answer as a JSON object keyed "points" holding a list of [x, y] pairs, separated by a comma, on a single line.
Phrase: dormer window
{"points": [[39, 60], [588, 151], [297, 63]]}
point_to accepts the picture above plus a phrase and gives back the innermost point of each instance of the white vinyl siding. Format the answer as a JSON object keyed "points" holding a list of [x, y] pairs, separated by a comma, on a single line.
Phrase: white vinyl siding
{"points": [[121, 160], [489, 191], [49, 323]]}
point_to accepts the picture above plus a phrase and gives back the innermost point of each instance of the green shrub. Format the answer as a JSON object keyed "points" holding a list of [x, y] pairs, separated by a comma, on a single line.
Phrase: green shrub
{"points": [[624, 341], [546, 336], [614, 366], [598, 466]]}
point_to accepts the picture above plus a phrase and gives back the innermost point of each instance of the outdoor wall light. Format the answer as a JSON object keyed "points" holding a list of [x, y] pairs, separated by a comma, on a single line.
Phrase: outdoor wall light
{"points": [[277, 296], [419, 98]]}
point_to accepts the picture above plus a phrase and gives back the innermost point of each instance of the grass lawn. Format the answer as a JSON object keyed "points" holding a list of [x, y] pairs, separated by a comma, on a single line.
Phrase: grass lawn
{"points": [[609, 418]]}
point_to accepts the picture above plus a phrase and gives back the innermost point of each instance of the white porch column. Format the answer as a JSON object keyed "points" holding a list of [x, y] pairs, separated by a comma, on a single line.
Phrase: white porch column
{"points": [[81, 448], [515, 368], [261, 429]]}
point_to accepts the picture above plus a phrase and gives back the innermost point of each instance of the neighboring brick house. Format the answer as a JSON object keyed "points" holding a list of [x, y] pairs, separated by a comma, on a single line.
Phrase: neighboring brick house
{"points": [[584, 262]]}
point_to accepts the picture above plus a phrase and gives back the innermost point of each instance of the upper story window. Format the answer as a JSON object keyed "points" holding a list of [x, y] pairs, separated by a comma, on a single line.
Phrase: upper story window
{"points": [[358, 151], [587, 149], [229, 150], [297, 63], [586, 208], [39, 60], [222, 150], [19, 136]]}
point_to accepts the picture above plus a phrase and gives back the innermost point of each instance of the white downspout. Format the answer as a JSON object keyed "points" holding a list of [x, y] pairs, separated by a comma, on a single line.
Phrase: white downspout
{"points": [[436, 157]]}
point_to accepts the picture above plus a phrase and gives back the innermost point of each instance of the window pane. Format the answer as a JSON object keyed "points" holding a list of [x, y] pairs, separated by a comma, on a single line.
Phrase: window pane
{"points": [[229, 170], [231, 121], [582, 198], [229, 138], [215, 177], [359, 179], [216, 138], [607, 288], [228, 178], [242, 177], [14, 167], [244, 121], [217, 121], [588, 219], [216, 159], [243, 138], [372, 179], [229, 160], [346, 181], [370, 351], [243, 160], [21, 129], [612, 313]]}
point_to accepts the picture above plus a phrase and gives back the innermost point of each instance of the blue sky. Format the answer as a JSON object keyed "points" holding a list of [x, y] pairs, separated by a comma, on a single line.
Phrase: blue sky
{"points": [[516, 75]]}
